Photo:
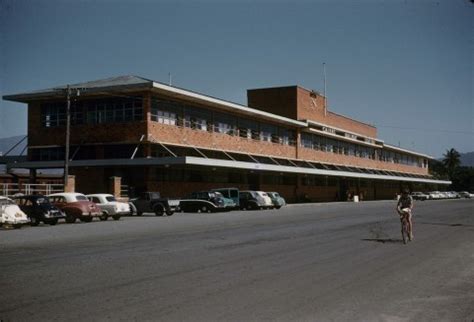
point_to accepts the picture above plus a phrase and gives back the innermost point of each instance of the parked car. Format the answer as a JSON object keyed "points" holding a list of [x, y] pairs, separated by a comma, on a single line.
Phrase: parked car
{"points": [[443, 195], [434, 195], [251, 200], [464, 194], [228, 202], [110, 206], [232, 193], [39, 209], [266, 198], [11, 214], [75, 206], [204, 201], [419, 196], [277, 200], [152, 202]]}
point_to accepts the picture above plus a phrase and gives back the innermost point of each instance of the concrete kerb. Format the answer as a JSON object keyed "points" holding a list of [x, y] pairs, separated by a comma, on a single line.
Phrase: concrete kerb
{"points": [[336, 203]]}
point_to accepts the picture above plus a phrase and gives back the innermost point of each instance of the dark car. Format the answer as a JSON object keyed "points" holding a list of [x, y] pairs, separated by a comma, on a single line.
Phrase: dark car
{"points": [[39, 209], [250, 200], [203, 201], [152, 201]]}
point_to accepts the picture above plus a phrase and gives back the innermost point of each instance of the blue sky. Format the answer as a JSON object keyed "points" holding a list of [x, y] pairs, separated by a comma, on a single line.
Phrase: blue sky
{"points": [[404, 66]]}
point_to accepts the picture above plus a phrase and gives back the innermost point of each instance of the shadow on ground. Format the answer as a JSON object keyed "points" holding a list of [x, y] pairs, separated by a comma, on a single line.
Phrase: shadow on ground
{"points": [[384, 240]]}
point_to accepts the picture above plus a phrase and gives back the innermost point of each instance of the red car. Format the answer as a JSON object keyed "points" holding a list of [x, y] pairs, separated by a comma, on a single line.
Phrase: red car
{"points": [[75, 206]]}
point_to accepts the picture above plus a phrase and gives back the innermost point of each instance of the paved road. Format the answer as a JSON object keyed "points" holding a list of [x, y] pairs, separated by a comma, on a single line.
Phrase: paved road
{"points": [[342, 262]]}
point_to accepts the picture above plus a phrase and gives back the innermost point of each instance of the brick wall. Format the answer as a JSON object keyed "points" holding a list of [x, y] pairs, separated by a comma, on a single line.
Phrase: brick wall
{"points": [[312, 108], [280, 100], [181, 135]]}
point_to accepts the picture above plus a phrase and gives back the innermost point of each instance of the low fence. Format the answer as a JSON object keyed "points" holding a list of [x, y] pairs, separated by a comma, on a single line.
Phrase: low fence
{"points": [[11, 189]]}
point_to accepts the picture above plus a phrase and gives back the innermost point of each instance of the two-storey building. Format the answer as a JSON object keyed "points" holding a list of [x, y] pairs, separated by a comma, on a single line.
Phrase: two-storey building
{"points": [[160, 137]]}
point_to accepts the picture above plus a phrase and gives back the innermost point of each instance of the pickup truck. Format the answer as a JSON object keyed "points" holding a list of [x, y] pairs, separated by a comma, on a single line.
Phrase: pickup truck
{"points": [[152, 202]]}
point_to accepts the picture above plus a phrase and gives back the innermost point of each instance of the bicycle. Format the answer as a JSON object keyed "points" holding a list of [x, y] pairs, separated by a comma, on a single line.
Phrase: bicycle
{"points": [[406, 233]]}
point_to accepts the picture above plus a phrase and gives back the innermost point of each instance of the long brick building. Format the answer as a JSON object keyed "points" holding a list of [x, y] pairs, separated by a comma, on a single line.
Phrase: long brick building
{"points": [[160, 137]]}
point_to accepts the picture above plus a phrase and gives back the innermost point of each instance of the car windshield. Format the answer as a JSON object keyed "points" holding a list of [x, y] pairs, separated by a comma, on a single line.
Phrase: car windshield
{"points": [[42, 200], [219, 195], [110, 198], [81, 197]]}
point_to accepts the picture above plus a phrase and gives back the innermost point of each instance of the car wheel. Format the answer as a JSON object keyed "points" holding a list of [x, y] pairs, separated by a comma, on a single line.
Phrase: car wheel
{"points": [[104, 216], [205, 209], [52, 222], [278, 207], [139, 213], [159, 211], [70, 219], [86, 219], [169, 213], [116, 217], [34, 221]]}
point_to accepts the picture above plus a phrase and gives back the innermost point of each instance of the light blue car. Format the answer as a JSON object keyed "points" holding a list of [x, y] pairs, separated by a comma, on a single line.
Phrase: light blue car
{"points": [[277, 200]]}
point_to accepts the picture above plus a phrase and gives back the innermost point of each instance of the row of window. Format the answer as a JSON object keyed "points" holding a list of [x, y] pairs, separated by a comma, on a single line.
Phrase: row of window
{"points": [[117, 110], [320, 143], [178, 114]]}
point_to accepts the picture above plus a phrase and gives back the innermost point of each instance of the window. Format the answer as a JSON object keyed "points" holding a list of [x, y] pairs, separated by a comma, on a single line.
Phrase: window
{"points": [[93, 112], [224, 123]]}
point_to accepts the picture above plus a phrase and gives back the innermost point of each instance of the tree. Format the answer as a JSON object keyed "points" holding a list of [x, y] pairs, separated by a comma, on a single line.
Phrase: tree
{"points": [[452, 160]]}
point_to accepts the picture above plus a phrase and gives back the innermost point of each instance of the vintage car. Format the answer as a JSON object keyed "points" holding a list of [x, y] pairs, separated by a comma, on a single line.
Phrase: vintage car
{"points": [[417, 195], [228, 202], [266, 198], [251, 200], [152, 201], [11, 214], [277, 200], [231, 193], [203, 201], [110, 206], [39, 209], [75, 206]]}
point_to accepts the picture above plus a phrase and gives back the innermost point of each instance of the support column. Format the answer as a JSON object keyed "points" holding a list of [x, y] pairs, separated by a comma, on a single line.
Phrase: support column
{"points": [[33, 173], [71, 184], [115, 186]]}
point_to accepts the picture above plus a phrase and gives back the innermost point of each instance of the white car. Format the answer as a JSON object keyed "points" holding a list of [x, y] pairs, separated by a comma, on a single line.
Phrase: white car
{"points": [[266, 198], [11, 214], [110, 206], [434, 195]]}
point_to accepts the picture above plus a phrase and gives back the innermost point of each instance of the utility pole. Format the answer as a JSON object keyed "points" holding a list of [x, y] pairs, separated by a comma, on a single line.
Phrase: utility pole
{"points": [[68, 131]]}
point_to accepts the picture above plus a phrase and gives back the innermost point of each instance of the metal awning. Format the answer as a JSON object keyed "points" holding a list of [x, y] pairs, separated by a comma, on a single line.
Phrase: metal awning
{"points": [[201, 157]]}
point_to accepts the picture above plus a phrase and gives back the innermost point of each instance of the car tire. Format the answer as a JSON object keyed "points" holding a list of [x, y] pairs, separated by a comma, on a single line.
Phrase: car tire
{"points": [[116, 217], [86, 219], [139, 213], [16, 226], [52, 222], [70, 219], [277, 207], [159, 211], [104, 216], [169, 213], [34, 221]]}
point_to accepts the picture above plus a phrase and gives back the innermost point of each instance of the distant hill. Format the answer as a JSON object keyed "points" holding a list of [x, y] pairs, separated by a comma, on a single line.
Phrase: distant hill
{"points": [[467, 159], [7, 143]]}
